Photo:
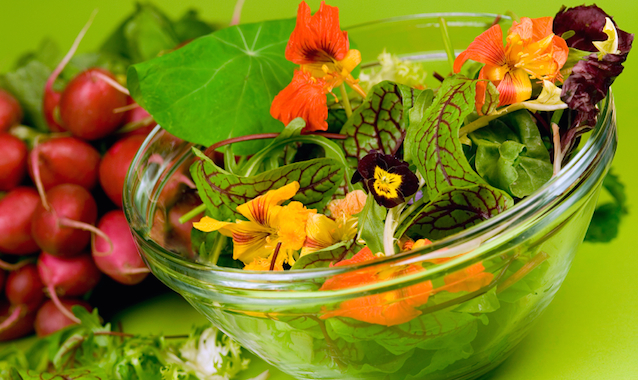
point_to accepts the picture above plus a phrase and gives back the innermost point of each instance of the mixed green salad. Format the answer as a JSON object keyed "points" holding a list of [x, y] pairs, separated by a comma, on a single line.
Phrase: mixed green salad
{"points": [[306, 160]]}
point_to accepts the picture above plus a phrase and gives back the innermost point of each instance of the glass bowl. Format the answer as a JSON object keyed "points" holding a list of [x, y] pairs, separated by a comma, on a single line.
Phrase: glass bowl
{"points": [[484, 286]]}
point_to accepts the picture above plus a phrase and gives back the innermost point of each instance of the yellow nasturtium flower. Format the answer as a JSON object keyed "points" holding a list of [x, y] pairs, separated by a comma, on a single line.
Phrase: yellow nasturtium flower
{"points": [[269, 224]]}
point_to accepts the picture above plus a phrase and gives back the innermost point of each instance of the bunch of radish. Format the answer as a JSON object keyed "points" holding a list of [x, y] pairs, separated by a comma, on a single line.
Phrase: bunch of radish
{"points": [[57, 241]]}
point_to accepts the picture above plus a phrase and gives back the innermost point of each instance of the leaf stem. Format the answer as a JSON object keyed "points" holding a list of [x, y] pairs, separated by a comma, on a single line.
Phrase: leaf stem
{"points": [[345, 100], [391, 223], [558, 154], [261, 136], [447, 43], [217, 249], [192, 213], [485, 120]]}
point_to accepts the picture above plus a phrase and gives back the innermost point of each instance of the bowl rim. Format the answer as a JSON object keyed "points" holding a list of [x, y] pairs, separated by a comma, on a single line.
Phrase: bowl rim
{"points": [[547, 197]]}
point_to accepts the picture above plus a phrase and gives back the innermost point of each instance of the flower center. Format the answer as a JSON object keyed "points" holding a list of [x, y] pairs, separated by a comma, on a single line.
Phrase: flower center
{"points": [[386, 184]]}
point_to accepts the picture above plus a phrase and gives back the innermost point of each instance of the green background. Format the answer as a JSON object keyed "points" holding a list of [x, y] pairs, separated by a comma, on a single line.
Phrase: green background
{"points": [[590, 331]]}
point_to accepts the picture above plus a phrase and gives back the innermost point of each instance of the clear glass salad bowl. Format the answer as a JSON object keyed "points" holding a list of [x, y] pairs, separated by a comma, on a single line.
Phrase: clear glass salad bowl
{"points": [[496, 280]]}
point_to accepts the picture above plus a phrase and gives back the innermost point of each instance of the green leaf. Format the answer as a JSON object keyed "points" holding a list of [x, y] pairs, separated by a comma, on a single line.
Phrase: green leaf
{"points": [[510, 154], [485, 303], [190, 26], [421, 104], [491, 100], [455, 210], [608, 216], [221, 85], [324, 257], [371, 224], [434, 144], [27, 85], [222, 192], [380, 122]]}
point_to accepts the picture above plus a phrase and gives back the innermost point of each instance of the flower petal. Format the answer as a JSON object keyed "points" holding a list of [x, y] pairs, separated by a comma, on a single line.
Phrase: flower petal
{"points": [[262, 209], [486, 48], [317, 38], [304, 97], [208, 224], [514, 88]]}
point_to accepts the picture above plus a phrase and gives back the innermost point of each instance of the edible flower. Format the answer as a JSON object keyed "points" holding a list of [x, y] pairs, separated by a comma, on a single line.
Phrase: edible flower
{"points": [[322, 231], [304, 97], [386, 177], [320, 47], [271, 229], [325, 61], [389, 308], [532, 51], [469, 279]]}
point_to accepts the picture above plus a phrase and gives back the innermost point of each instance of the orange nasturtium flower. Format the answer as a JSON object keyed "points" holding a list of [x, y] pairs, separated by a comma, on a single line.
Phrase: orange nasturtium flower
{"points": [[389, 308], [269, 224], [323, 53], [532, 51], [469, 279]]}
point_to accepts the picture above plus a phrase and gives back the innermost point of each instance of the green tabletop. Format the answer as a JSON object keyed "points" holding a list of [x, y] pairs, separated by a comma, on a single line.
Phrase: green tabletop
{"points": [[588, 331]]}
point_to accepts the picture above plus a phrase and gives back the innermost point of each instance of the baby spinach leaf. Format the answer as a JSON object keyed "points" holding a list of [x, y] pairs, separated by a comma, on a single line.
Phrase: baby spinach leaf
{"points": [[218, 86], [421, 104], [222, 192], [510, 154], [380, 122], [371, 224], [142, 36], [607, 216], [191, 26], [27, 85], [434, 144], [457, 209]]}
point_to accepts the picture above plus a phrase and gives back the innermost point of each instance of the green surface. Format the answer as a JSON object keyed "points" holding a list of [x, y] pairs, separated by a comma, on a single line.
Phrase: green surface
{"points": [[588, 332]]}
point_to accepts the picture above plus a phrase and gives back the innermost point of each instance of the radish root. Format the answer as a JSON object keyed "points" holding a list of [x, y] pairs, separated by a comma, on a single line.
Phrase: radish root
{"points": [[66, 222], [113, 83], [58, 304], [11, 267], [35, 167], [15, 315], [70, 53]]}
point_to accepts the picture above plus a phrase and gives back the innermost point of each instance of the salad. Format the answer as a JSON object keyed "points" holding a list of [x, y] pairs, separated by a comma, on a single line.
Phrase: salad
{"points": [[308, 161]]}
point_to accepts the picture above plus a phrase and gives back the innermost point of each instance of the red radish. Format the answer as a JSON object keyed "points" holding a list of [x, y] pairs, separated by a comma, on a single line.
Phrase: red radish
{"points": [[123, 263], [115, 164], [62, 226], [137, 121], [65, 160], [24, 293], [10, 111], [24, 287], [13, 161], [182, 231], [50, 319], [51, 110], [87, 104], [14, 327], [68, 277], [16, 211], [51, 100]]}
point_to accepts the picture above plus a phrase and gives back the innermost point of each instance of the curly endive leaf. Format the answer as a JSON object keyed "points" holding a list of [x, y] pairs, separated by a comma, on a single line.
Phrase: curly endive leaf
{"points": [[222, 192], [455, 210], [436, 149], [380, 122]]}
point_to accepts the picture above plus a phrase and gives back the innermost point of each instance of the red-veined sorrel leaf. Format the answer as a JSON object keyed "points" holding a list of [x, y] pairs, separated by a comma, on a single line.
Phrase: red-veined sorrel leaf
{"points": [[434, 145], [222, 192], [218, 86], [380, 122], [455, 210], [327, 256]]}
